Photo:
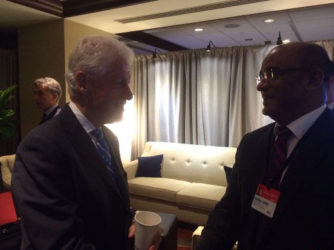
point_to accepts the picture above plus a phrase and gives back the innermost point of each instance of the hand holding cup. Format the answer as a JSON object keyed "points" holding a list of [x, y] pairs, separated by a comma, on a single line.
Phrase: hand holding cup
{"points": [[148, 231]]}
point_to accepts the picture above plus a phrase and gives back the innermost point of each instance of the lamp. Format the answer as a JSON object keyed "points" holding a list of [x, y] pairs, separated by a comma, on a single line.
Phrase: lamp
{"points": [[210, 46], [155, 53], [279, 39]]}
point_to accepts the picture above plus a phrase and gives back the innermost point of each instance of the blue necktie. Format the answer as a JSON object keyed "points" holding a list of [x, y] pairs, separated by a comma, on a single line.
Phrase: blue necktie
{"points": [[103, 149]]}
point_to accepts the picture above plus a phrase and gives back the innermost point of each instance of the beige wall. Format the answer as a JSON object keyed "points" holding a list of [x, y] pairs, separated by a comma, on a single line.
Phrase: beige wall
{"points": [[40, 53], [43, 51]]}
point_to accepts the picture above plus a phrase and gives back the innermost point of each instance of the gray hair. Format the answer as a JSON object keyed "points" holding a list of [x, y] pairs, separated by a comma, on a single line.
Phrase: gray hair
{"points": [[52, 85], [94, 55]]}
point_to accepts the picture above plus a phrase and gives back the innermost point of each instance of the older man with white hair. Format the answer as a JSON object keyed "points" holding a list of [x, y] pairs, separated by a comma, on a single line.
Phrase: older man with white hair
{"points": [[68, 180]]}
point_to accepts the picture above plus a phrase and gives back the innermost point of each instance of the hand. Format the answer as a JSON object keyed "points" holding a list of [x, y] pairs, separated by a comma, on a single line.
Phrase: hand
{"points": [[132, 231], [156, 239]]}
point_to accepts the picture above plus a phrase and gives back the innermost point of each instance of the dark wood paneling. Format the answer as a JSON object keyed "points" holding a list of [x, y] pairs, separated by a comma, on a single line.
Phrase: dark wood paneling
{"points": [[50, 6], [8, 39], [77, 7], [66, 8], [151, 40]]}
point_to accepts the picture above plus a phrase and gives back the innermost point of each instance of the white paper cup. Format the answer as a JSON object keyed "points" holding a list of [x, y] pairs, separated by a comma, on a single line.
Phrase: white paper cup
{"points": [[146, 226]]}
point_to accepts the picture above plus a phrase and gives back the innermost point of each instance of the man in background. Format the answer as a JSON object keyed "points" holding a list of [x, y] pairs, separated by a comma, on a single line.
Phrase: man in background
{"points": [[47, 92], [330, 98], [291, 161], [68, 180]]}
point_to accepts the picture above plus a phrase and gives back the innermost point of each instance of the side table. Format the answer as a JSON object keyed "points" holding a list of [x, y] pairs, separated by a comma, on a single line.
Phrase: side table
{"points": [[169, 235]]}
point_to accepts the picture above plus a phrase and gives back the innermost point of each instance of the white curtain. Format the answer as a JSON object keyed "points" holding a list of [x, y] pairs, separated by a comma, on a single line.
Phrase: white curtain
{"points": [[198, 97]]}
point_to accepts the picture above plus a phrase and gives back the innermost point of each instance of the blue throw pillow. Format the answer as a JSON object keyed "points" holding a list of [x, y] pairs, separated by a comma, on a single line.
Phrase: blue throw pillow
{"points": [[149, 166], [228, 173]]}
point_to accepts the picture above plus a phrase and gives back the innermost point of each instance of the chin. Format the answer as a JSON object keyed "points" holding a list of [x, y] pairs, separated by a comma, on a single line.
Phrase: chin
{"points": [[267, 111], [115, 118]]}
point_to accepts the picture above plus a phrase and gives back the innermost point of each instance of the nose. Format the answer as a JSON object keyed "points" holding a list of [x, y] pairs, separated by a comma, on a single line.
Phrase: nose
{"points": [[262, 85]]}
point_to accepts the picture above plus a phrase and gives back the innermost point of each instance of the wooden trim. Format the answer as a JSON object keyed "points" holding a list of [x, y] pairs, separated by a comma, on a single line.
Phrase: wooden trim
{"points": [[49, 6], [151, 40]]}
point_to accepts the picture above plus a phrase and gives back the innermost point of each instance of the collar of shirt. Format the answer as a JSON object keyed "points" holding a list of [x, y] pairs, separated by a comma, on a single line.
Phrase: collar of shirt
{"points": [[331, 106], [85, 123], [51, 109], [300, 126]]}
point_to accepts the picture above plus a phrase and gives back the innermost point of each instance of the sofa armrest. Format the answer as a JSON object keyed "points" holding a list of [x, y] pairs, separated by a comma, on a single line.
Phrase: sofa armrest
{"points": [[7, 164], [131, 168]]}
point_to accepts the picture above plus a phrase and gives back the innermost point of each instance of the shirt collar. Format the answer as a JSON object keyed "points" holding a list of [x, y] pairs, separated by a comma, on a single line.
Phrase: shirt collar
{"points": [[85, 123], [300, 126], [51, 109], [331, 106]]}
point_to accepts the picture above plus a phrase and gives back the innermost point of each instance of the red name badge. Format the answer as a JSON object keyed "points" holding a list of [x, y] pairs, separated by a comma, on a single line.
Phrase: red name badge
{"points": [[265, 200]]}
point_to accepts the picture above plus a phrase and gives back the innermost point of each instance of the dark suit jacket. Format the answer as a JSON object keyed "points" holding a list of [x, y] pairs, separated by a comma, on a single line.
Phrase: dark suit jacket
{"points": [[64, 192], [304, 216], [49, 116]]}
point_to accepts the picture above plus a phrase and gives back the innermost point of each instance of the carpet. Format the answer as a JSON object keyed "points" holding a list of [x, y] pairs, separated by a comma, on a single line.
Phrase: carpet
{"points": [[184, 236]]}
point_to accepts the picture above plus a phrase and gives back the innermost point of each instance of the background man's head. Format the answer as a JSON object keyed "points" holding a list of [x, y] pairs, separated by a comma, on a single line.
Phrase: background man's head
{"points": [[98, 78], [47, 92], [294, 80], [330, 98]]}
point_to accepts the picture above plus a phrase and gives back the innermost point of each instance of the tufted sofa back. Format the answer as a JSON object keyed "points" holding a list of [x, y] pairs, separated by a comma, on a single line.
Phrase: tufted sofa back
{"points": [[193, 163]]}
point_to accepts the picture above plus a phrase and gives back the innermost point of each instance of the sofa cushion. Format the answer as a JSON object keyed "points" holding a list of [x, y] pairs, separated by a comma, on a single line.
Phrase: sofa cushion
{"points": [[149, 166], [157, 188], [200, 196]]}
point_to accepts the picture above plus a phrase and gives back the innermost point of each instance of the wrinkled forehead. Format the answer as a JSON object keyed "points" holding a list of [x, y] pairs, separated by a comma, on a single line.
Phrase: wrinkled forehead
{"points": [[282, 57]]}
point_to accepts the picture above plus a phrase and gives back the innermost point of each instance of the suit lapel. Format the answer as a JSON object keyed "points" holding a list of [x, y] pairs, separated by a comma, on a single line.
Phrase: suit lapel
{"points": [[262, 146], [260, 163], [84, 147]]}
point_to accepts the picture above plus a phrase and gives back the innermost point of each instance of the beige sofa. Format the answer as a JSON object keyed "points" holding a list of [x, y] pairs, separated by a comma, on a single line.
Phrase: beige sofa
{"points": [[7, 163], [192, 180]]}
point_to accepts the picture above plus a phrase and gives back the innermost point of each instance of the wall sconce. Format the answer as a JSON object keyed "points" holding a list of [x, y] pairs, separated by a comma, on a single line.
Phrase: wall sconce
{"points": [[279, 39], [155, 53], [210, 46]]}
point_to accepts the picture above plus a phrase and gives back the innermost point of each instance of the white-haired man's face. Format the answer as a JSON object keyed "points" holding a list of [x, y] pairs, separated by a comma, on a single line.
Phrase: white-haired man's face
{"points": [[43, 97], [107, 95]]}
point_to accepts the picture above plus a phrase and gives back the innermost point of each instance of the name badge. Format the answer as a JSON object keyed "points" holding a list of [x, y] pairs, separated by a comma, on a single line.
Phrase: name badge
{"points": [[265, 200]]}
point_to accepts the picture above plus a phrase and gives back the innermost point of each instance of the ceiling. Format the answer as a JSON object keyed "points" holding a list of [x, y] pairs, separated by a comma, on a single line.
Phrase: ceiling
{"points": [[169, 24]]}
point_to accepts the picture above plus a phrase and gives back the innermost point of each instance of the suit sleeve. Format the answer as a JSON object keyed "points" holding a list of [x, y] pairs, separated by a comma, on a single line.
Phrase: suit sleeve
{"points": [[43, 190], [222, 228]]}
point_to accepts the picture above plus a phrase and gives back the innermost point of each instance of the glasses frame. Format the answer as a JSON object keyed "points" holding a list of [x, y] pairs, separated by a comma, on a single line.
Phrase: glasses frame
{"points": [[272, 73]]}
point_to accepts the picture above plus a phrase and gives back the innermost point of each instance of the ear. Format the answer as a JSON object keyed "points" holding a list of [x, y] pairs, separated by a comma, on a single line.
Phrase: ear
{"points": [[316, 79], [81, 81]]}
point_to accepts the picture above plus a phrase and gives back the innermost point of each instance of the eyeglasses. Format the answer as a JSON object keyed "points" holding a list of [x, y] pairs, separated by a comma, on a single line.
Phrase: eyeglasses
{"points": [[274, 73]]}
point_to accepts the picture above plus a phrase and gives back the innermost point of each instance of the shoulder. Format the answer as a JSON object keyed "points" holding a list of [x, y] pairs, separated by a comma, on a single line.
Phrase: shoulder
{"points": [[259, 133], [44, 136]]}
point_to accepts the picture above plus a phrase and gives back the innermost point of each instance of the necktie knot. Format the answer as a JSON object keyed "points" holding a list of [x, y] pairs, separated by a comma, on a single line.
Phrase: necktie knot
{"points": [[97, 134], [282, 132]]}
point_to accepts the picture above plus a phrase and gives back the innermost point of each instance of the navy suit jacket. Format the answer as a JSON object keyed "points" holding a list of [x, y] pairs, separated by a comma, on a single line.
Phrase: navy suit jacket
{"points": [[52, 114], [304, 216], [64, 192]]}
